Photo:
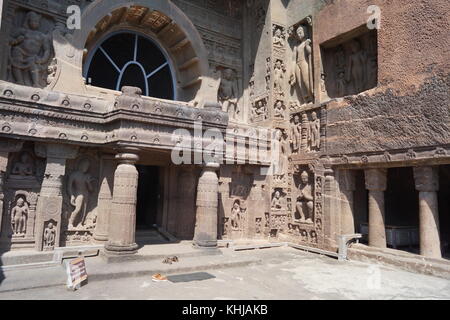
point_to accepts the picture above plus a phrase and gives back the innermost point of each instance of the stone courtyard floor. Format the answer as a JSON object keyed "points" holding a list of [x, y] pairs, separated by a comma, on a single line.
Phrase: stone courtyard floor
{"points": [[285, 273]]}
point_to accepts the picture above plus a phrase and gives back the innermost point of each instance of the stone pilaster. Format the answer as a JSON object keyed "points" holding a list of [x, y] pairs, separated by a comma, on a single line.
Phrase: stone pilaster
{"points": [[207, 207], [186, 203], [347, 186], [3, 165], [122, 221], [330, 203], [105, 197], [49, 206], [427, 183], [376, 183]]}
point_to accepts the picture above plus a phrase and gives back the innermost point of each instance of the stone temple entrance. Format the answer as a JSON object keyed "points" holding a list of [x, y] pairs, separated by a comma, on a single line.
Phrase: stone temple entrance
{"points": [[148, 199], [150, 205]]}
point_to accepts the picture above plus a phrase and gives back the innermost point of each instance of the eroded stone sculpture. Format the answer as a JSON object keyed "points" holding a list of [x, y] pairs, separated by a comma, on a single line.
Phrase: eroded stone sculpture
{"points": [[30, 52], [305, 200], [24, 167], [314, 133], [236, 215], [278, 78], [19, 216], [278, 110], [276, 201], [302, 66], [49, 236], [296, 134], [356, 71], [80, 185], [228, 93]]}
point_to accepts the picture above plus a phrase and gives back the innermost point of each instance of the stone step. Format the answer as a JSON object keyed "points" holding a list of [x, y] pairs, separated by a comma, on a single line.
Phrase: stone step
{"points": [[99, 270], [24, 257]]}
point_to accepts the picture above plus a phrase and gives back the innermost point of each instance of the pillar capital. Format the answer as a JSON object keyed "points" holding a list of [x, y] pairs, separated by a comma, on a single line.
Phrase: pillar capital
{"points": [[426, 179], [211, 166], [127, 156], [376, 179], [347, 180]]}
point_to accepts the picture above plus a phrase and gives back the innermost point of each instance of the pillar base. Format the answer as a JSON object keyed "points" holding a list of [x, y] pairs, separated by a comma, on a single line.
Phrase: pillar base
{"points": [[205, 244], [100, 238], [121, 250]]}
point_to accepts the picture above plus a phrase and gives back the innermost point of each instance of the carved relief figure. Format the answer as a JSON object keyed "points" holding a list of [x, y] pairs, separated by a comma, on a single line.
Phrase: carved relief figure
{"points": [[228, 93], [296, 135], [30, 52], [314, 135], [24, 167], [259, 109], [339, 60], [236, 215], [276, 201], [225, 226], [279, 110], [278, 78], [282, 165], [19, 216], [258, 225], [80, 185], [356, 67], [302, 66], [305, 200], [278, 39], [49, 236]]}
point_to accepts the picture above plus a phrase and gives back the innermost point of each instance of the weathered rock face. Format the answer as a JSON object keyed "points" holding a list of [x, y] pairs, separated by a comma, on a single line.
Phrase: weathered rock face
{"points": [[389, 121], [336, 92]]}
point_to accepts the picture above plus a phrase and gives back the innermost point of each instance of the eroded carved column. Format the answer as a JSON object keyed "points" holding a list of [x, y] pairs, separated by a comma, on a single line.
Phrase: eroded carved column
{"points": [[427, 183], [49, 205], [207, 203], [376, 183], [3, 165], [347, 192], [122, 221], [105, 197]]}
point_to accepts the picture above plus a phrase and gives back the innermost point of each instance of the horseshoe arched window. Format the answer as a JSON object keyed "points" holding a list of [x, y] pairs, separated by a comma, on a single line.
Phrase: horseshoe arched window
{"points": [[131, 59]]}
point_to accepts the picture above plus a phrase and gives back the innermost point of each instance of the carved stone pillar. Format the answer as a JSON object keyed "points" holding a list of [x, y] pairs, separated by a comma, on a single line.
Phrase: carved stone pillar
{"points": [[3, 165], [347, 192], [207, 204], [6, 147], [330, 203], [49, 206], [376, 183], [105, 197], [427, 183], [122, 221]]}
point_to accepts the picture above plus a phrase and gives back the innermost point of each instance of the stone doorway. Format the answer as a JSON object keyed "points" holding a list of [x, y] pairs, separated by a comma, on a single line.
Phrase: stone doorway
{"points": [[444, 209], [149, 198]]}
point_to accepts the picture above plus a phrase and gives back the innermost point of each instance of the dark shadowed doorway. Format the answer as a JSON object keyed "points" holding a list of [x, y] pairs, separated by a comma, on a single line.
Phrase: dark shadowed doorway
{"points": [[149, 197]]}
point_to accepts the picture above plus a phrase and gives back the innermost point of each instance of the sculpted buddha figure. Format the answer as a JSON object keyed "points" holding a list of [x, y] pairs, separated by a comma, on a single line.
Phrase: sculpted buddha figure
{"points": [[49, 236], [19, 215], [302, 75], [24, 167], [80, 185], [305, 200]]}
